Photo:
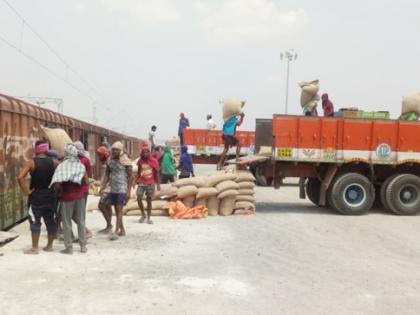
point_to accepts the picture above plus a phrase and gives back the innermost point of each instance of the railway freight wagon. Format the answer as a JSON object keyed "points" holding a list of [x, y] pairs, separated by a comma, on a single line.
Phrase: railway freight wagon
{"points": [[346, 164], [20, 127]]}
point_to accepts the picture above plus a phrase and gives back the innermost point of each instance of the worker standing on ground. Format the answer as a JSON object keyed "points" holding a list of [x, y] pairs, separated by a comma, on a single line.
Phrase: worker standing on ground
{"points": [[147, 179], [68, 178], [84, 158], [42, 201], [119, 176], [105, 204], [152, 137], [185, 167], [183, 124], [230, 139], [211, 125], [327, 106], [168, 167]]}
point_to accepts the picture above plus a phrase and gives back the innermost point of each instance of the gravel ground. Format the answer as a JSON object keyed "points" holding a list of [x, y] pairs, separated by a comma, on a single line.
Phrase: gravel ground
{"points": [[291, 258]]}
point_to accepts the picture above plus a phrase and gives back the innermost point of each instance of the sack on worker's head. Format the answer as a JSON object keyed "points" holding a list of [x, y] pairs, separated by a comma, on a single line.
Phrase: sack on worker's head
{"points": [[244, 176], [195, 181], [206, 192], [249, 198], [249, 192], [246, 185], [227, 206], [246, 205], [213, 180], [411, 103], [232, 107], [309, 91], [228, 193], [227, 185], [166, 190], [187, 191], [58, 139], [188, 201], [213, 206]]}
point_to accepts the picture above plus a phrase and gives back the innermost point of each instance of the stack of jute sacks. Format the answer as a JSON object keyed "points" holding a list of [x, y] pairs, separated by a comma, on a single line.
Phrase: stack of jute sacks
{"points": [[158, 206]]}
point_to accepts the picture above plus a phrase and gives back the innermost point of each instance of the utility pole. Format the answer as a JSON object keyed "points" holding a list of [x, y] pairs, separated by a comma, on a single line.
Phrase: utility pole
{"points": [[289, 55]]}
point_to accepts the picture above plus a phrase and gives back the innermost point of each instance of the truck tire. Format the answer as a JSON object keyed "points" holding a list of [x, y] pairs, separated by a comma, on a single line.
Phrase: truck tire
{"points": [[313, 191], [403, 194], [352, 194], [384, 187]]}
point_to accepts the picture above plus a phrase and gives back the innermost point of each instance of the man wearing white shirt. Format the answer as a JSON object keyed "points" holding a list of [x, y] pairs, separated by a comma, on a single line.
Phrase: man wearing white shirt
{"points": [[210, 122]]}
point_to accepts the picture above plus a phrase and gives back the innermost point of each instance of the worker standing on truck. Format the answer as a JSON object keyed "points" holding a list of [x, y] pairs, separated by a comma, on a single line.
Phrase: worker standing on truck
{"points": [[327, 106], [105, 204], [229, 138], [147, 179], [152, 137], [42, 200], [118, 174], [183, 124], [211, 125]]}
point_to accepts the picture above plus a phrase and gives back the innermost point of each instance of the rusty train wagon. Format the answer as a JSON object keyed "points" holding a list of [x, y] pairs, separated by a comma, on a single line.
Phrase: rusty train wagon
{"points": [[20, 124]]}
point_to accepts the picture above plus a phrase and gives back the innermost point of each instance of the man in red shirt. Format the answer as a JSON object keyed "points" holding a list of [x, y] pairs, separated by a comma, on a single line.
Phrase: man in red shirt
{"points": [[147, 179], [327, 106]]}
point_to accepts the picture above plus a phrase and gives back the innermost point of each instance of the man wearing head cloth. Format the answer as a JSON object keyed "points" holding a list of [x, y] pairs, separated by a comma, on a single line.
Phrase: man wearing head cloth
{"points": [[119, 176], [42, 201]]}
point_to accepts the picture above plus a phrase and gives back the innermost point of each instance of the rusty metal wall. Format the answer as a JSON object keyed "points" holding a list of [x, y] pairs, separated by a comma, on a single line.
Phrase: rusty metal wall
{"points": [[19, 129]]}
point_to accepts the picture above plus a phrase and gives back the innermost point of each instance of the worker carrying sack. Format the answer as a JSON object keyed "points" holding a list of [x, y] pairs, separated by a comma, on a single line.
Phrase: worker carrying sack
{"points": [[309, 91], [411, 103], [232, 107], [58, 139]]}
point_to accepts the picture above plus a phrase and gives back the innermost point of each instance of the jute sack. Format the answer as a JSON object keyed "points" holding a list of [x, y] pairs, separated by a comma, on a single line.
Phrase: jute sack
{"points": [[228, 193], [265, 151], [213, 206], [232, 107], [188, 201], [249, 192], [226, 206], [157, 204], [411, 103], [160, 213], [309, 91], [201, 202], [131, 205], [133, 213], [187, 191], [244, 212], [206, 192], [245, 177], [227, 185], [165, 190], [195, 181], [58, 139], [246, 205], [92, 206], [218, 178], [246, 185], [245, 198]]}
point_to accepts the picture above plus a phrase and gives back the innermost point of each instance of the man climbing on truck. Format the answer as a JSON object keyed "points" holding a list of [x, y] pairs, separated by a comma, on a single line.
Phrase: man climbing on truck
{"points": [[229, 138]]}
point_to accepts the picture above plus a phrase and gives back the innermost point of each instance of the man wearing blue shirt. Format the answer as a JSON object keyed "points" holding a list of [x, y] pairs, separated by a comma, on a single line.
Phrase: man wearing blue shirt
{"points": [[229, 138]]}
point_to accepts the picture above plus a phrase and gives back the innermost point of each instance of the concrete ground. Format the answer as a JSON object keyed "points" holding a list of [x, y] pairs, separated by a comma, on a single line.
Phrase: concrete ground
{"points": [[291, 258]]}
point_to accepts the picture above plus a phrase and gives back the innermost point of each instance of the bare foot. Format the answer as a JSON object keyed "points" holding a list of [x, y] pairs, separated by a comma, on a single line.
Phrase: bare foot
{"points": [[107, 230], [121, 233], [48, 249], [113, 237], [31, 251], [88, 234]]}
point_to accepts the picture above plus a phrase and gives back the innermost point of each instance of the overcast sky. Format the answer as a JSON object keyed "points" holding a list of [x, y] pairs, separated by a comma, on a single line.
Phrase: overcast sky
{"points": [[146, 61]]}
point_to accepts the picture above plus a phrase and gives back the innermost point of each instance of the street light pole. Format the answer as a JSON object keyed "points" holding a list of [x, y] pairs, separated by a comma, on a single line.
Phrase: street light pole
{"points": [[289, 55]]}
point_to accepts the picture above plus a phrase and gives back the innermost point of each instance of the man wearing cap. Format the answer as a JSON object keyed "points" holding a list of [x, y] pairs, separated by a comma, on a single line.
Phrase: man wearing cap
{"points": [[147, 178], [105, 205], [119, 176], [42, 201]]}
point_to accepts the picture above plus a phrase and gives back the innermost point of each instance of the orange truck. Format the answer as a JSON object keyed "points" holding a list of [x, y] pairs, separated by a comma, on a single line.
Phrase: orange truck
{"points": [[346, 164]]}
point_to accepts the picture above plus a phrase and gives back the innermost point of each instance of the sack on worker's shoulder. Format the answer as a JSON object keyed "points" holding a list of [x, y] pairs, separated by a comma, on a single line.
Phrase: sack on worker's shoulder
{"points": [[411, 103], [232, 107]]}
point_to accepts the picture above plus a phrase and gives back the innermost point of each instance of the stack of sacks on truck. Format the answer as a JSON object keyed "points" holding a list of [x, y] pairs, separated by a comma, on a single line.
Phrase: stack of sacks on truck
{"points": [[158, 206]]}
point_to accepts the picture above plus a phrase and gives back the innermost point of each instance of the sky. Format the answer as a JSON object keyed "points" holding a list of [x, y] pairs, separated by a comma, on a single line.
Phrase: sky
{"points": [[143, 62]]}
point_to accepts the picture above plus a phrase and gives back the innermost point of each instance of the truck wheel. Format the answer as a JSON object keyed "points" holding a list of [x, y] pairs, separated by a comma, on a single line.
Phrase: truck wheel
{"points": [[313, 190], [384, 187], [403, 194], [352, 194]]}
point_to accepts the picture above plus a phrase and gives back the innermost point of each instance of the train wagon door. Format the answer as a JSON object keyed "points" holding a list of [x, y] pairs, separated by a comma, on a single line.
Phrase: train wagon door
{"points": [[309, 139], [329, 143], [356, 140]]}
